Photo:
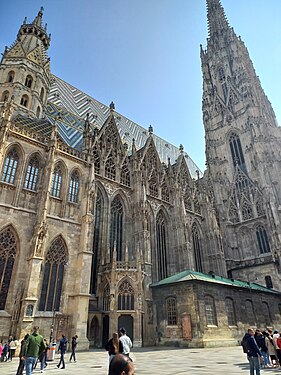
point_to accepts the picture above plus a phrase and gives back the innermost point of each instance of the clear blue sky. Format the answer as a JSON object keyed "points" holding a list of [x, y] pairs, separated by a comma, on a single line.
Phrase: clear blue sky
{"points": [[144, 55]]}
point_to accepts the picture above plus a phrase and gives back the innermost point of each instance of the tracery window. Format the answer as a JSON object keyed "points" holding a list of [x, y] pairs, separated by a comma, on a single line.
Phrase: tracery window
{"points": [[106, 298], [197, 207], [10, 166], [56, 182], [51, 290], [116, 228], [171, 311], [161, 244], [97, 238], [28, 81], [250, 313], [210, 311], [11, 76], [110, 168], [262, 239], [24, 100], [125, 175], [5, 96], [187, 201], [260, 207], [153, 186], [96, 160], [268, 282], [165, 193], [247, 210], [126, 298], [31, 177], [196, 240], [8, 249], [230, 311], [73, 191], [236, 151]]}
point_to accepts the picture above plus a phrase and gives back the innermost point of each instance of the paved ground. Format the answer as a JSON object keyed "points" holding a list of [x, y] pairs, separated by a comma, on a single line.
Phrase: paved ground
{"points": [[156, 361]]}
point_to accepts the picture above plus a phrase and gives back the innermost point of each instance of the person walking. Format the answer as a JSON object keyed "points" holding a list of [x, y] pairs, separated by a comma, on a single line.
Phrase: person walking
{"points": [[271, 348], [32, 350], [126, 342], [22, 361], [114, 346], [73, 348], [253, 352], [62, 348], [43, 357]]}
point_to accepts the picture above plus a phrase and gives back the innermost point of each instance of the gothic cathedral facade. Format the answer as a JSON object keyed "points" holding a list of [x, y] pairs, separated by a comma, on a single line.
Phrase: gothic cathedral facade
{"points": [[98, 214]]}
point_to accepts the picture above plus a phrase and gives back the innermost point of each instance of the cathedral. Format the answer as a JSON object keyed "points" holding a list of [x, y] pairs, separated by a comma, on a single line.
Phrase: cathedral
{"points": [[103, 224]]}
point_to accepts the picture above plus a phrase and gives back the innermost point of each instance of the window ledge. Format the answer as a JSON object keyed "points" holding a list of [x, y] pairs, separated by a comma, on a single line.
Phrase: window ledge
{"points": [[212, 326], [56, 198], [7, 185], [32, 192]]}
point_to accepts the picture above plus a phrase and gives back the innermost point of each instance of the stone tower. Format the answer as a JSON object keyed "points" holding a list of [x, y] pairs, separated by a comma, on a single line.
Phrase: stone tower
{"points": [[25, 69], [242, 154]]}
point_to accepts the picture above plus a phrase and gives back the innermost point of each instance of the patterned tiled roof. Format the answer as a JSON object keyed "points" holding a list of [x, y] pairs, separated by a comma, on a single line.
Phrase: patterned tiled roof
{"points": [[73, 105]]}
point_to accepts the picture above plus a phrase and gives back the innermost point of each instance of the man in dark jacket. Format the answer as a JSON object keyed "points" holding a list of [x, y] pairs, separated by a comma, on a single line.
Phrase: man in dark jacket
{"points": [[33, 347], [253, 352], [62, 348]]}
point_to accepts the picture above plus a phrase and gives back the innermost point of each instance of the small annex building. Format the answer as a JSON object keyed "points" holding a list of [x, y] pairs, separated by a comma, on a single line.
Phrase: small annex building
{"points": [[194, 309]]}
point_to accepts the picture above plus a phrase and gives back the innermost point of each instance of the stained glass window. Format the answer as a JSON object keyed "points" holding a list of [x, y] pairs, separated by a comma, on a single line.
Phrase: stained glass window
{"points": [[116, 227], [31, 177], [10, 166], [73, 191], [56, 182], [262, 239], [196, 240], [126, 296], [161, 242], [8, 248], [53, 276], [236, 151]]}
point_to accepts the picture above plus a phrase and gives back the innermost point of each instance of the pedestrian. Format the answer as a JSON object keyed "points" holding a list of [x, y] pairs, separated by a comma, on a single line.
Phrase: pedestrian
{"points": [[264, 350], [121, 365], [73, 348], [12, 348], [275, 336], [278, 343], [43, 357], [126, 342], [21, 360], [114, 346], [271, 348], [253, 352], [62, 348], [1, 349], [5, 352], [33, 348]]}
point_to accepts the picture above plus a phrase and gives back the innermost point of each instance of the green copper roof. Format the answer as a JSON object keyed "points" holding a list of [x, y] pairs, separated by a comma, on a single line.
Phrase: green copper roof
{"points": [[190, 275]]}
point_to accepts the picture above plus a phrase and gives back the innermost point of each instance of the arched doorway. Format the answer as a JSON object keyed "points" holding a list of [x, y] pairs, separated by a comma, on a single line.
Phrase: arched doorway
{"points": [[93, 335], [105, 330], [127, 321]]}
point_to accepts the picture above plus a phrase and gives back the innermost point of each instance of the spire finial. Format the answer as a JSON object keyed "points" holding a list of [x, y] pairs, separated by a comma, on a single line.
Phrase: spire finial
{"points": [[112, 106], [150, 130], [217, 20]]}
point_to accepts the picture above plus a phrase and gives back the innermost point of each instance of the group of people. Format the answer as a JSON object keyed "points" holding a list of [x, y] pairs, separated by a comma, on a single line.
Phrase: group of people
{"points": [[263, 348], [33, 349], [119, 347], [8, 349]]}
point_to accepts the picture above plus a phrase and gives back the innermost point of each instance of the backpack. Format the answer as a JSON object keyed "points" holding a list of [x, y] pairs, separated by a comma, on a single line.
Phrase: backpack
{"points": [[244, 344]]}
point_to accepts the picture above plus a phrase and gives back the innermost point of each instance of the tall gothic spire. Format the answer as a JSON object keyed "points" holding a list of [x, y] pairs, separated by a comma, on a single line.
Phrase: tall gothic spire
{"points": [[217, 21]]}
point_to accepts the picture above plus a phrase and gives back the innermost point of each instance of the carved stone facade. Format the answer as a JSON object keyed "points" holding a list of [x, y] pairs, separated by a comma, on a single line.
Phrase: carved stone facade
{"points": [[95, 210]]}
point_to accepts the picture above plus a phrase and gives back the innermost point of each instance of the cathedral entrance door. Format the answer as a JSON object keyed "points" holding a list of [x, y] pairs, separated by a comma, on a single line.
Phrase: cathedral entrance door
{"points": [[105, 330], [127, 321]]}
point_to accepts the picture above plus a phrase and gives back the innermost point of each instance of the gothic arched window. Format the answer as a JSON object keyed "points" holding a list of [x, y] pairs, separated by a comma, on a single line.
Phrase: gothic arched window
{"points": [[266, 313], [250, 313], [31, 177], [24, 100], [5, 96], [10, 166], [247, 210], [73, 191], [8, 249], [110, 168], [161, 243], [28, 81], [197, 207], [196, 240], [230, 311], [165, 193], [210, 311], [56, 182], [262, 239], [187, 201], [106, 298], [97, 238], [171, 311], [125, 175], [126, 298], [11, 76], [236, 151], [42, 92], [53, 276], [38, 111], [153, 186], [116, 227]]}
